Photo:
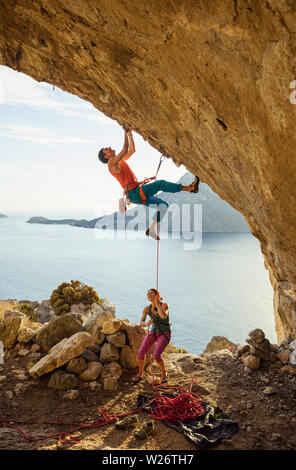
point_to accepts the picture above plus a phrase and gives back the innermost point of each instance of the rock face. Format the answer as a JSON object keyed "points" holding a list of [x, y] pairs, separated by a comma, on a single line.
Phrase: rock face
{"points": [[231, 117]]}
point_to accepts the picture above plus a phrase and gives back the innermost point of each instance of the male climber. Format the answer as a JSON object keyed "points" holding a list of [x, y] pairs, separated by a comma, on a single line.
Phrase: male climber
{"points": [[140, 194]]}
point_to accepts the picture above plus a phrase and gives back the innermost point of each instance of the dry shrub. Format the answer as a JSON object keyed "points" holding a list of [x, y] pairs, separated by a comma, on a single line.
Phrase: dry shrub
{"points": [[68, 294]]}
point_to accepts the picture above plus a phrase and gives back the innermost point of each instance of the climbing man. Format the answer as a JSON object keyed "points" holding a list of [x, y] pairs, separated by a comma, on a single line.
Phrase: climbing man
{"points": [[133, 190]]}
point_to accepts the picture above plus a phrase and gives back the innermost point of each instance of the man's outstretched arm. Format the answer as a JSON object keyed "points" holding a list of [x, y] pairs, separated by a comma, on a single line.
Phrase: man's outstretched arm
{"points": [[125, 152], [131, 146], [124, 149]]}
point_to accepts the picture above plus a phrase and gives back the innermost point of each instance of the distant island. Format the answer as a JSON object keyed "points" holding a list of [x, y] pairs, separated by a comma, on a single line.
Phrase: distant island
{"points": [[217, 214], [2, 216]]}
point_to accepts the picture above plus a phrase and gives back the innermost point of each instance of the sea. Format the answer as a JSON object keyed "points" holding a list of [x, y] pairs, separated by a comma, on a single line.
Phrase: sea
{"points": [[217, 287]]}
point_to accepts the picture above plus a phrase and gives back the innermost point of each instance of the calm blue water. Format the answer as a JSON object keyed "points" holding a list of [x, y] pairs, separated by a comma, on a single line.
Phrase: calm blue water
{"points": [[222, 289]]}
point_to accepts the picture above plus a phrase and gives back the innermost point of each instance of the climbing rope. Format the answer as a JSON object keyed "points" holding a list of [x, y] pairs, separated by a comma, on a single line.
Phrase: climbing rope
{"points": [[157, 252], [184, 405]]}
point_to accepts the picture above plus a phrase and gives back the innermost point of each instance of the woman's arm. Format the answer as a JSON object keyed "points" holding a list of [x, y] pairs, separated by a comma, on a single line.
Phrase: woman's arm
{"points": [[162, 310], [144, 315]]}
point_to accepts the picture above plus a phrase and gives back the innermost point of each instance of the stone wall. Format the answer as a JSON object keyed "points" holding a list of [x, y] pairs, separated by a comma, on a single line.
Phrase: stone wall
{"points": [[71, 348]]}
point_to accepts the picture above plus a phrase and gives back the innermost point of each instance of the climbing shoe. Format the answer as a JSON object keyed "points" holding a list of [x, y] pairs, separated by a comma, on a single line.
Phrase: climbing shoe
{"points": [[128, 422], [151, 233], [144, 431], [196, 185]]}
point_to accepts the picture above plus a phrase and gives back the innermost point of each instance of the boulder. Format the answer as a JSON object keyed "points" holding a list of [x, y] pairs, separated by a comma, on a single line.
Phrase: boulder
{"points": [[292, 345], [264, 351], [76, 365], [109, 353], [25, 334], [84, 312], [111, 326], [97, 320], [92, 371], [61, 380], [118, 339], [94, 386], [256, 337], [23, 352], [62, 353], [252, 362], [108, 307], [90, 356], [128, 359], [222, 352], [242, 349], [112, 369], [44, 313], [58, 329], [217, 343], [284, 355], [134, 334], [292, 358], [71, 395], [10, 328], [95, 348], [188, 363], [110, 383], [95, 323], [288, 369]]}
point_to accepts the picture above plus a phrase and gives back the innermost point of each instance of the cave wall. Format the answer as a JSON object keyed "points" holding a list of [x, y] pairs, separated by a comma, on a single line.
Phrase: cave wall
{"points": [[205, 82]]}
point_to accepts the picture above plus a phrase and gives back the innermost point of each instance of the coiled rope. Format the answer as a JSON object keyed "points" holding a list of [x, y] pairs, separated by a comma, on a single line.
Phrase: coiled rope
{"points": [[183, 406]]}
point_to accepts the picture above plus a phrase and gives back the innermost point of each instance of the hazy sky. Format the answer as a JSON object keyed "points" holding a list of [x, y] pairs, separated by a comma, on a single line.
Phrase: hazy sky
{"points": [[49, 146]]}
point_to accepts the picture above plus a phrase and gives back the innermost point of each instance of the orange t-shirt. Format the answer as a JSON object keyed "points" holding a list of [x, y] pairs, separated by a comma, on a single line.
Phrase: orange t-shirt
{"points": [[125, 177]]}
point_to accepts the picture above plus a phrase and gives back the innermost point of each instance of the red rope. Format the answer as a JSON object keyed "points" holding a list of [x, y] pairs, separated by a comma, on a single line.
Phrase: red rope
{"points": [[183, 406], [157, 256]]}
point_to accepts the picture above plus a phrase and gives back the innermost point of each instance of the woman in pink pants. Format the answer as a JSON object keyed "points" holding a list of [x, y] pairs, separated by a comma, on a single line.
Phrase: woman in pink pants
{"points": [[160, 333]]}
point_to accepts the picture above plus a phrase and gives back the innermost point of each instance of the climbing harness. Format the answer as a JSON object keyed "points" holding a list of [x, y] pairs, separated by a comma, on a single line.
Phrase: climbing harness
{"points": [[125, 200]]}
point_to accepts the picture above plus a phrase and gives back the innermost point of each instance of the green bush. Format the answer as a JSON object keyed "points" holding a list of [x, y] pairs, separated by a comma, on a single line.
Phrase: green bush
{"points": [[67, 295], [28, 310]]}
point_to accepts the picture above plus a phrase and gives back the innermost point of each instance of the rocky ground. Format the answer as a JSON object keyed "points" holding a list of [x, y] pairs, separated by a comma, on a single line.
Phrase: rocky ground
{"points": [[266, 421]]}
